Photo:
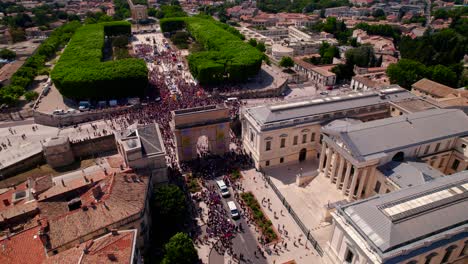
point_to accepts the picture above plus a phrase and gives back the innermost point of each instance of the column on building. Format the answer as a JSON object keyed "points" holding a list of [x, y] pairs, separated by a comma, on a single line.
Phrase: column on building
{"points": [[335, 162], [353, 182], [371, 179], [322, 156], [339, 178], [347, 176], [362, 182], [328, 163]]}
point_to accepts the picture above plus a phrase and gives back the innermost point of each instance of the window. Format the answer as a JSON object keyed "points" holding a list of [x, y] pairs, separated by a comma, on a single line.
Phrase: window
{"points": [[437, 147], [281, 160], [295, 140], [349, 256], [387, 191], [321, 138], [448, 253], [429, 258], [377, 187], [455, 164], [312, 138], [251, 136], [426, 150], [267, 163], [304, 138], [283, 143], [463, 146], [268, 146]]}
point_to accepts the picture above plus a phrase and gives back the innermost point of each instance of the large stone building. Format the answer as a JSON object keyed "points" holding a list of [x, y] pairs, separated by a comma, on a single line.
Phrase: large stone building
{"points": [[424, 224], [357, 155], [276, 134]]}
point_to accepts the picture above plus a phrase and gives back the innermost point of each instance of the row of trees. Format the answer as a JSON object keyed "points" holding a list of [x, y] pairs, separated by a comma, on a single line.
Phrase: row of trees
{"points": [[169, 214], [406, 72], [435, 55], [362, 56], [226, 56], [298, 6], [80, 73], [34, 65]]}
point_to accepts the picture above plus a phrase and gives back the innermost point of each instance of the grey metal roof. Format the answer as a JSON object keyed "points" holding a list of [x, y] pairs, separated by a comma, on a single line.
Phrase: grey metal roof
{"points": [[150, 139], [387, 234], [409, 173], [275, 113], [374, 138]]}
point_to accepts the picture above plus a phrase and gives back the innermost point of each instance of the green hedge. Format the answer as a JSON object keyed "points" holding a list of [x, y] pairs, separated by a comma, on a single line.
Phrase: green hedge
{"points": [[80, 73], [227, 57], [25, 75], [259, 217]]}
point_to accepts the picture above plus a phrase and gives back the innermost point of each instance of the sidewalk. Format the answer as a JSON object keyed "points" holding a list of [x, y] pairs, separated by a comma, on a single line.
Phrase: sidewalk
{"points": [[253, 182]]}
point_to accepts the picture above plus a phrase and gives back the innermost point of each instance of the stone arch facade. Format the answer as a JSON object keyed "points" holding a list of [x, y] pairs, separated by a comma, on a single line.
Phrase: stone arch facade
{"points": [[189, 124]]}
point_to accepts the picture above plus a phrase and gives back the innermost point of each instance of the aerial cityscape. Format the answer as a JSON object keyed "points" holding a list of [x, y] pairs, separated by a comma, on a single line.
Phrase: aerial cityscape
{"points": [[234, 131]]}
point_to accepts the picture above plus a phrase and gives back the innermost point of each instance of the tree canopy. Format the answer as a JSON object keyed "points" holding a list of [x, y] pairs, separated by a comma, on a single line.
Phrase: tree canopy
{"points": [[226, 56], [286, 62], [180, 250], [80, 73], [7, 54], [170, 203], [406, 72]]}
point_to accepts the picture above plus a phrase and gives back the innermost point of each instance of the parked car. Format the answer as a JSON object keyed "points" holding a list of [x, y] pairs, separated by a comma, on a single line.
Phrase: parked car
{"points": [[58, 112], [84, 106]]}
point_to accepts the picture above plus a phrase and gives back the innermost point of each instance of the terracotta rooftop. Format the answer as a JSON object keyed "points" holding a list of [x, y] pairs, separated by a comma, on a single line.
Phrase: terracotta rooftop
{"points": [[110, 248], [322, 70], [126, 198], [436, 89], [23, 247]]}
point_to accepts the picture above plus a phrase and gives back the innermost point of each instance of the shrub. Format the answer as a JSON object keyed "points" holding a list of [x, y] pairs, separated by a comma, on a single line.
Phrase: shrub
{"points": [[80, 73], [259, 217], [31, 95], [226, 56]]}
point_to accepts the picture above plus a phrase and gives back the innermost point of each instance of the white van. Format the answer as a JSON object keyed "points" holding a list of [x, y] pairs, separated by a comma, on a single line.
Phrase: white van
{"points": [[223, 188], [231, 100], [233, 210]]}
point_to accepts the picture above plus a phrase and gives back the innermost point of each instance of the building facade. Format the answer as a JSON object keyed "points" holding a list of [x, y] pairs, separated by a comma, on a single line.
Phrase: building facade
{"points": [[394, 228], [276, 134]]}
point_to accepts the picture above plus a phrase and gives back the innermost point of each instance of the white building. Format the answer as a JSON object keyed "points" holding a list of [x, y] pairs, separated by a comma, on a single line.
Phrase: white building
{"points": [[424, 224]]}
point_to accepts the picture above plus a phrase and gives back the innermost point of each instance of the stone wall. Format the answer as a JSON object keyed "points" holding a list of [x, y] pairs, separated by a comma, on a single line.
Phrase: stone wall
{"points": [[48, 119], [82, 149], [94, 146], [23, 165]]}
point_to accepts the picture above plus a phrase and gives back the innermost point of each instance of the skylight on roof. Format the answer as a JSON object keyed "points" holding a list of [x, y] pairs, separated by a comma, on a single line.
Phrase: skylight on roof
{"points": [[425, 202]]}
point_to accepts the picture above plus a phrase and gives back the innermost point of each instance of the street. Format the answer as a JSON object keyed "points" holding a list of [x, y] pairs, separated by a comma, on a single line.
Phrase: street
{"points": [[244, 241]]}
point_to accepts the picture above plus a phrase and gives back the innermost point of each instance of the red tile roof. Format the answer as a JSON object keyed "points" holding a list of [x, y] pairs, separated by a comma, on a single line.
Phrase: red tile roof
{"points": [[23, 247], [125, 199], [110, 248]]}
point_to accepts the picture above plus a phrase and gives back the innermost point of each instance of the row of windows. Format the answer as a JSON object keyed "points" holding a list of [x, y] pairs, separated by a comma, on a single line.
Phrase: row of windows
{"points": [[448, 253], [295, 139], [267, 163]]}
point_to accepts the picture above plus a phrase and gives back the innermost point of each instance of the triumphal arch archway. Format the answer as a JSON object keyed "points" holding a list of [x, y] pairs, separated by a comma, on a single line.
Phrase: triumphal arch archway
{"points": [[211, 122]]}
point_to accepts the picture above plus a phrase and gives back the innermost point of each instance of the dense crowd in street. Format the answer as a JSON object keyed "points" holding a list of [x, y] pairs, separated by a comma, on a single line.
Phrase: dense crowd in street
{"points": [[177, 90]]}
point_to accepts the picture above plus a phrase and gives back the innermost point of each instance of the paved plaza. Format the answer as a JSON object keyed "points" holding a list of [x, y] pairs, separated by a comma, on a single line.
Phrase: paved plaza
{"points": [[309, 201], [295, 250]]}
